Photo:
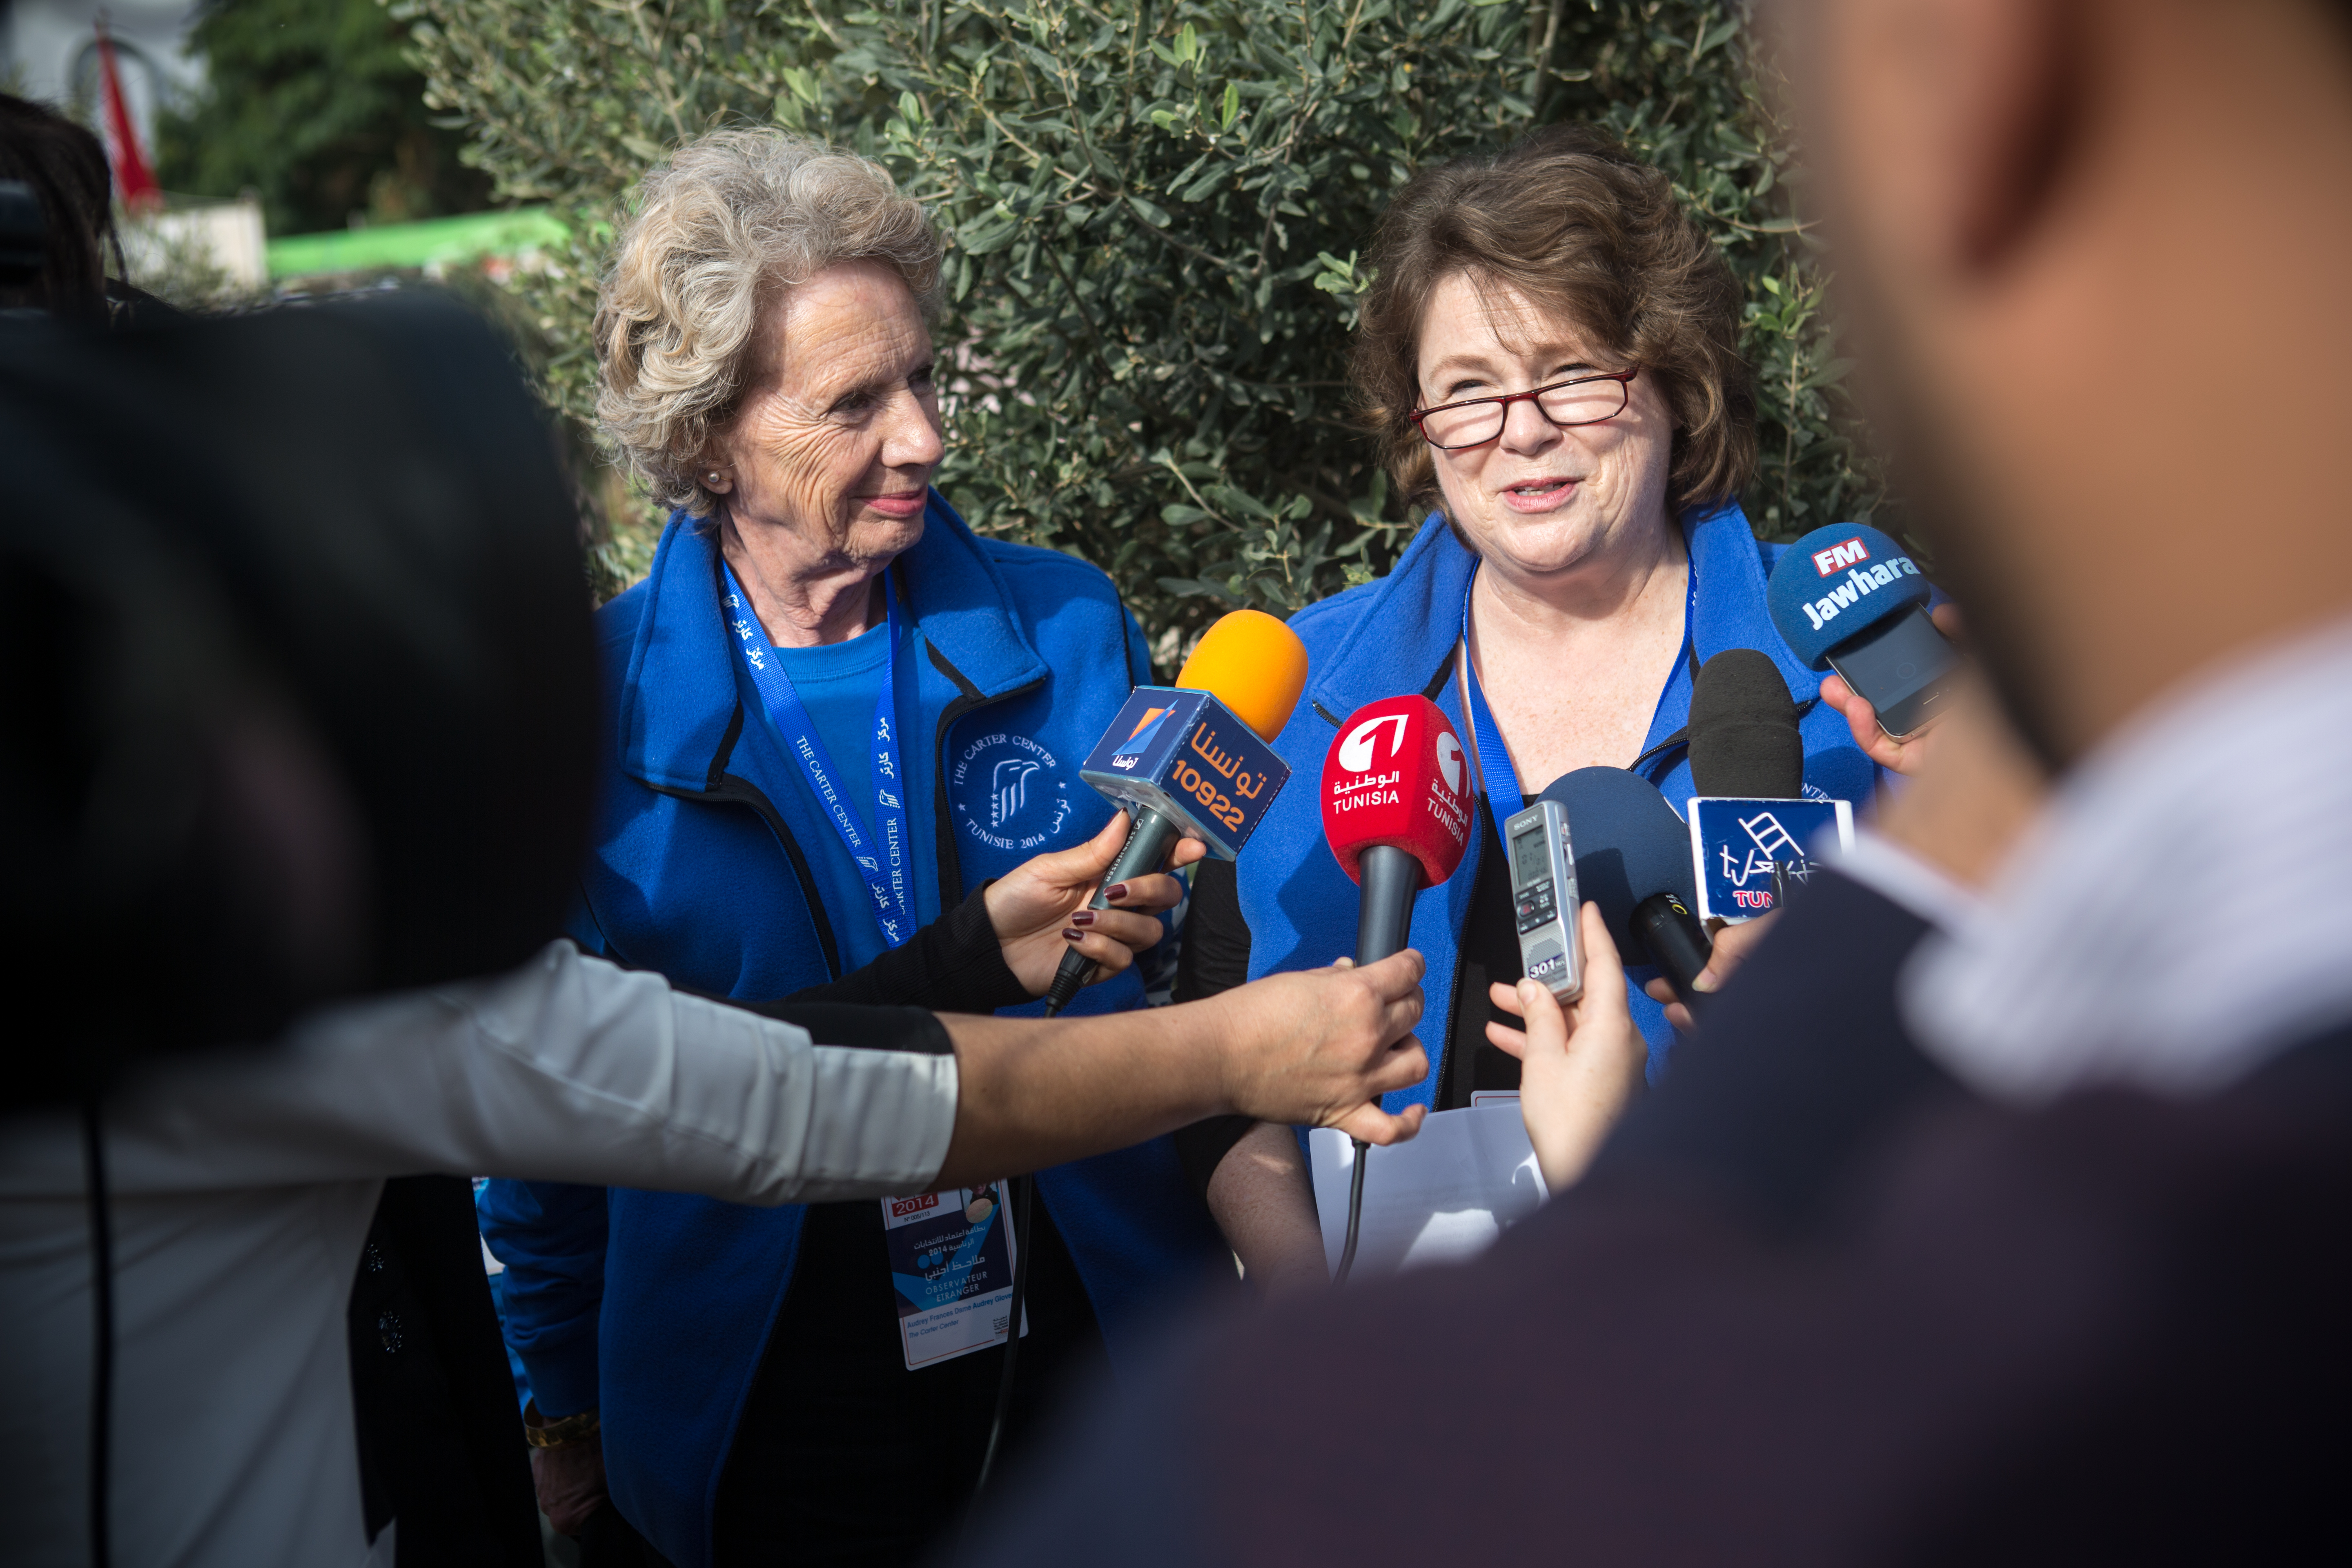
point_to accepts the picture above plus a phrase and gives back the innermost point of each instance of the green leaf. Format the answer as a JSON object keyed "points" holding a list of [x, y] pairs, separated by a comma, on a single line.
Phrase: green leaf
{"points": [[1232, 106]]}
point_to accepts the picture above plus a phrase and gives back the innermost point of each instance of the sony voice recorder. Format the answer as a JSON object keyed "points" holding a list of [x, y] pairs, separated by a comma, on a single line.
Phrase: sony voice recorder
{"points": [[1543, 898]]}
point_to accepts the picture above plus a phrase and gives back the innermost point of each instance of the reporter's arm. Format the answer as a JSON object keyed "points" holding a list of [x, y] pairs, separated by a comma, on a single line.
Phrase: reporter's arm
{"points": [[567, 1069], [1316, 1048]]}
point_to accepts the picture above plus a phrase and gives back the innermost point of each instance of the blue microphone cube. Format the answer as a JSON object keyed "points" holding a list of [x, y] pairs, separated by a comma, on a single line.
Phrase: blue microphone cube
{"points": [[1736, 845], [1183, 754]]}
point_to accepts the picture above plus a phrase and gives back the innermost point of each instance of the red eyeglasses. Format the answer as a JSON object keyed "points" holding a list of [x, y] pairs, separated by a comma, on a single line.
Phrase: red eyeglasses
{"points": [[1585, 400]]}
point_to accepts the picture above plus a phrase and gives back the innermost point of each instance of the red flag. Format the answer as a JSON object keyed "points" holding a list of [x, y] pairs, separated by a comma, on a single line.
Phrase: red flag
{"points": [[134, 179]]}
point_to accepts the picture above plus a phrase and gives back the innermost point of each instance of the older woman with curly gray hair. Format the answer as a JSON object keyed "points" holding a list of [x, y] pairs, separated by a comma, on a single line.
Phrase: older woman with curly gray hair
{"points": [[845, 733]]}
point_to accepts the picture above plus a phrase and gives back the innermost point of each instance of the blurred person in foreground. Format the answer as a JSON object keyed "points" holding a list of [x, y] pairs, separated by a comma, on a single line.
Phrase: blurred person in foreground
{"points": [[2088, 1305], [1549, 359], [80, 272], [833, 714], [299, 809]]}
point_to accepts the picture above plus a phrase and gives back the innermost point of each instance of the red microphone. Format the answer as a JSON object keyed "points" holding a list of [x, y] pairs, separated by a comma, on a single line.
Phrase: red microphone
{"points": [[1396, 812]]}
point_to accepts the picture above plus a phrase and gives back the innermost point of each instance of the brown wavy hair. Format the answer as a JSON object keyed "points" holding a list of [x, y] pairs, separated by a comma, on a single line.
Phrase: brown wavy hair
{"points": [[1572, 220]]}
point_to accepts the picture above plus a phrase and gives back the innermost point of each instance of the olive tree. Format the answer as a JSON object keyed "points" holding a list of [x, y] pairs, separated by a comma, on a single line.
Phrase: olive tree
{"points": [[1156, 212]]}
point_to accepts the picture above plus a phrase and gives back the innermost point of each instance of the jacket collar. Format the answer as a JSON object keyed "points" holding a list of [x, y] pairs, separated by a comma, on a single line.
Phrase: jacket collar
{"points": [[1731, 610], [1412, 619], [678, 701]]}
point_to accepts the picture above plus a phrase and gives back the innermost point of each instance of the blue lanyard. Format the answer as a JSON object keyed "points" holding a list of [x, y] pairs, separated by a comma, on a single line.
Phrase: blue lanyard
{"points": [[1494, 757], [894, 898]]}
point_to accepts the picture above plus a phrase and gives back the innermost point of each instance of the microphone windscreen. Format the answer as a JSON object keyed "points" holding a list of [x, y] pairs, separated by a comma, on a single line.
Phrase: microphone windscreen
{"points": [[1743, 729], [1396, 776], [1837, 583], [1253, 663], [1629, 844]]}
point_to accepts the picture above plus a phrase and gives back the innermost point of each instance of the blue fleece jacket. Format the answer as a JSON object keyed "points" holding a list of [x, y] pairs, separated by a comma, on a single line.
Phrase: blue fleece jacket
{"points": [[656, 1307], [1399, 635]]}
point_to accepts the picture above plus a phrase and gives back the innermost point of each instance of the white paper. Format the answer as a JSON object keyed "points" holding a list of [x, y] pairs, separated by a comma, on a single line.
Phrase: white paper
{"points": [[1442, 1197]]}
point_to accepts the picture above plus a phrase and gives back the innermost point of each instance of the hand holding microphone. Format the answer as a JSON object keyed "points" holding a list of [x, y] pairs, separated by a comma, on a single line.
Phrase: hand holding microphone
{"points": [[1040, 914], [1908, 755], [1849, 598]]}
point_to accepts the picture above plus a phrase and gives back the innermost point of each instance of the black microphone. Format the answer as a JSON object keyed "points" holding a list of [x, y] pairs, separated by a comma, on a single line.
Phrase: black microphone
{"points": [[1744, 740], [1749, 819], [1633, 858]]}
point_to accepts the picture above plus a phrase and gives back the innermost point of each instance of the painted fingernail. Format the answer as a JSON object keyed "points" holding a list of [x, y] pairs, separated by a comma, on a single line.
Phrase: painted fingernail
{"points": [[1082, 918], [1073, 936], [1115, 892]]}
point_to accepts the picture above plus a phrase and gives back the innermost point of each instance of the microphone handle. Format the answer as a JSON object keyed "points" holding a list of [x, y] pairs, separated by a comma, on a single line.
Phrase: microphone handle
{"points": [[1674, 941], [1390, 879], [1148, 840], [1384, 917]]}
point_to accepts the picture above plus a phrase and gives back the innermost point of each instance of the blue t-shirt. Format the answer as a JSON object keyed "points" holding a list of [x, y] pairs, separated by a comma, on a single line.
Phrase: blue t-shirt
{"points": [[838, 684]]}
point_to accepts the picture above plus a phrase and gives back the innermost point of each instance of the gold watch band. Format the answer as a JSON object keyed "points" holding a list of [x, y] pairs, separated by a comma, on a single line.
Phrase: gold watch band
{"points": [[544, 1434]]}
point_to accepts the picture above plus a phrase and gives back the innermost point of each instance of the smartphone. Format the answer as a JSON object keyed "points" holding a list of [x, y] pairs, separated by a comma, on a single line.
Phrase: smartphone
{"points": [[1543, 898], [1903, 669]]}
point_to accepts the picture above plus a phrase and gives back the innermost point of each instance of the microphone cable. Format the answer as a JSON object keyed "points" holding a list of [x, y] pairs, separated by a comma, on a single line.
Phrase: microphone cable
{"points": [[1023, 1194], [1355, 1212], [101, 1264], [1017, 1231]]}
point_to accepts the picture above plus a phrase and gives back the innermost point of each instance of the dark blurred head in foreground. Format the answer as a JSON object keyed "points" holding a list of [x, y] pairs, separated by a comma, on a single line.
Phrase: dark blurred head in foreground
{"points": [[62, 168], [2092, 253], [298, 701]]}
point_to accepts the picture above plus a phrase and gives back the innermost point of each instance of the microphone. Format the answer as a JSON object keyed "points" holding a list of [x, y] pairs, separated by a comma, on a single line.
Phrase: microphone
{"points": [[1848, 598], [1191, 760], [1396, 813], [1749, 823], [1743, 729], [1633, 858]]}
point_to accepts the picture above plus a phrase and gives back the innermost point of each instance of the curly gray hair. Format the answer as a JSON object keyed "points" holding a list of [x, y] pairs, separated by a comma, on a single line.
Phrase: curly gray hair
{"points": [[728, 223]]}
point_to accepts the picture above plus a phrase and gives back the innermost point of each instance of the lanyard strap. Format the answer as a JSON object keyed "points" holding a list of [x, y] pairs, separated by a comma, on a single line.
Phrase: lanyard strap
{"points": [[1502, 780], [1494, 757], [894, 903]]}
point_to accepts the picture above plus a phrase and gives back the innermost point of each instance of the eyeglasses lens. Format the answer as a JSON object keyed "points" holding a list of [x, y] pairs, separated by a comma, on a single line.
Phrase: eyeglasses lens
{"points": [[1473, 424]]}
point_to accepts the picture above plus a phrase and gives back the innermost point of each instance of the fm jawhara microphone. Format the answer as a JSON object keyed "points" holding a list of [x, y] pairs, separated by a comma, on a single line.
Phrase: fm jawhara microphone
{"points": [[1191, 760]]}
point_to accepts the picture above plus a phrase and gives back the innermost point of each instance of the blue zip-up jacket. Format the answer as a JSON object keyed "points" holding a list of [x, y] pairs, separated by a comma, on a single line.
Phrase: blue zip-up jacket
{"points": [[656, 1307], [1400, 635]]}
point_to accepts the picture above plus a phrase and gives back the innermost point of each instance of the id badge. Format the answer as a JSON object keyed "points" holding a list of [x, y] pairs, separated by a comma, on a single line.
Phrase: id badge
{"points": [[951, 1267]]}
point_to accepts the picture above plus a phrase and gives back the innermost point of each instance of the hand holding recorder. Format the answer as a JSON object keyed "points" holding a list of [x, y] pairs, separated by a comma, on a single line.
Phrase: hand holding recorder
{"points": [[1581, 1059]]}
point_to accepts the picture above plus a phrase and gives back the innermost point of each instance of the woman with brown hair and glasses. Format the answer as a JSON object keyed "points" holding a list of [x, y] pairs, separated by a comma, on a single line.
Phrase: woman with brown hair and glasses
{"points": [[1549, 362]]}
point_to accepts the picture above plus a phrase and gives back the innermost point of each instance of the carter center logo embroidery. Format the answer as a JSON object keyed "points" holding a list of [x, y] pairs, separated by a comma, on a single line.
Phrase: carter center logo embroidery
{"points": [[1009, 793], [1009, 790]]}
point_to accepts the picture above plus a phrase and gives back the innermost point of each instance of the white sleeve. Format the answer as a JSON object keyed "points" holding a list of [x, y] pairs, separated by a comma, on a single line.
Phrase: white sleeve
{"points": [[567, 1069]]}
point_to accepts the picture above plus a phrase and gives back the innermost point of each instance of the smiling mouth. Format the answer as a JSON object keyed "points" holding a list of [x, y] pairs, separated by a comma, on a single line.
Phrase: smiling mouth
{"points": [[1536, 489]]}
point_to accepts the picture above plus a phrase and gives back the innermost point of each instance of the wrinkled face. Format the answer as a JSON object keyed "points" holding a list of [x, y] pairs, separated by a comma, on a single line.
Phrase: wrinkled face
{"points": [[1539, 499], [839, 429]]}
